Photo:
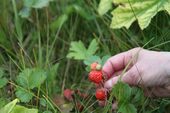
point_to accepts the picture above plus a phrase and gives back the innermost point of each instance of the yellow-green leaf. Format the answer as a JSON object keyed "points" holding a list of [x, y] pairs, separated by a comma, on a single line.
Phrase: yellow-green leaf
{"points": [[141, 10]]}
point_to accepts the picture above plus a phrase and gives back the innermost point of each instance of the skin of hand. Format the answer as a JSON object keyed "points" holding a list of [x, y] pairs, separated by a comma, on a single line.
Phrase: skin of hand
{"points": [[144, 68]]}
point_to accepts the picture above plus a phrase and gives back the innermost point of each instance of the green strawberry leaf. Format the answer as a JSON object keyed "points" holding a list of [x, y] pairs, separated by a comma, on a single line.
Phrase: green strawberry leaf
{"points": [[92, 47], [37, 77], [127, 108], [92, 59], [104, 6], [79, 52], [31, 78], [122, 92], [23, 95], [143, 11]]}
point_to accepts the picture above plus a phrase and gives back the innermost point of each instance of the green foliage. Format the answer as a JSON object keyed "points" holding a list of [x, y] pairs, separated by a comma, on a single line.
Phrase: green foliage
{"points": [[104, 6], [22, 109], [13, 108], [29, 4], [8, 108], [29, 79], [128, 11], [79, 52], [36, 3], [127, 108], [128, 98], [23, 95], [3, 80]]}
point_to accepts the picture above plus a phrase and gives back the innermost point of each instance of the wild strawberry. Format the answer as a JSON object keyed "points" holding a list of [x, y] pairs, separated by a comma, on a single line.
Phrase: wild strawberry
{"points": [[100, 94], [96, 76], [98, 67], [68, 94], [93, 66]]}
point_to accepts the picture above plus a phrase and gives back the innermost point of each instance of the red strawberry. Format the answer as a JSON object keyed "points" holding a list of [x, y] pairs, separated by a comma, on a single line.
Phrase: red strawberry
{"points": [[68, 94], [96, 76], [100, 94], [93, 66]]}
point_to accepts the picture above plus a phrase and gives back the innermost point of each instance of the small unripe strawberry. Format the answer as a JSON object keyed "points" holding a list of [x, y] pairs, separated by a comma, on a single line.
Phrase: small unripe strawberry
{"points": [[96, 76], [98, 67], [93, 66], [100, 94]]}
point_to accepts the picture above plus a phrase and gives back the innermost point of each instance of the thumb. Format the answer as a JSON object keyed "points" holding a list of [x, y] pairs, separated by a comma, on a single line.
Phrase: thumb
{"points": [[130, 77]]}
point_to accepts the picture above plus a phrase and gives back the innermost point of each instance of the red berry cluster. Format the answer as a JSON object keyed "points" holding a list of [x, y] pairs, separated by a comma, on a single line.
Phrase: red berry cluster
{"points": [[96, 76]]}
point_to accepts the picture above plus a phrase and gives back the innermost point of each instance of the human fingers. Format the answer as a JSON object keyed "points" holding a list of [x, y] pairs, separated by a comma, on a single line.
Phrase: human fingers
{"points": [[131, 77], [116, 63]]}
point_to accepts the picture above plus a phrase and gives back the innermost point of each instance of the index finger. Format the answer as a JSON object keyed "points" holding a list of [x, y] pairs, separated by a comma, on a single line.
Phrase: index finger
{"points": [[116, 63]]}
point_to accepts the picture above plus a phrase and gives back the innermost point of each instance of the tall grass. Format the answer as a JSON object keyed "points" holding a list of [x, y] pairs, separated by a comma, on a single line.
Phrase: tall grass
{"points": [[42, 40]]}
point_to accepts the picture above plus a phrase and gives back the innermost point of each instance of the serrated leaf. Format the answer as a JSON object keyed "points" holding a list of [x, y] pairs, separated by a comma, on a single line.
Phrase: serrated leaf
{"points": [[3, 82], [23, 78], [23, 95], [8, 108], [122, 92], [104, 6], [31, 78], [77, 51], [143, 11], [22, 109], [37, 77], [92, 47], [127, 108], [36, 3], [92, 59]]}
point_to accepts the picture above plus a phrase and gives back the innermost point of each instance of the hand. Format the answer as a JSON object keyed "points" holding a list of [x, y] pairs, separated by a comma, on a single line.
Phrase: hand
{"points": [[147, 69]]}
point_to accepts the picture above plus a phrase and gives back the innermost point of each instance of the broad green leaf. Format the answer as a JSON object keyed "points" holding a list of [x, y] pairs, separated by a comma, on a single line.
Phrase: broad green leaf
{"points": [[92, 47], [92, 59], [8, 108], [22, 109], [104, 6], [36, 3], [127, 108], [37, 77], [31, 78], [77, 51], [141, 10], [23, 78], [122, 92], [3, 82], [23, 95]]}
